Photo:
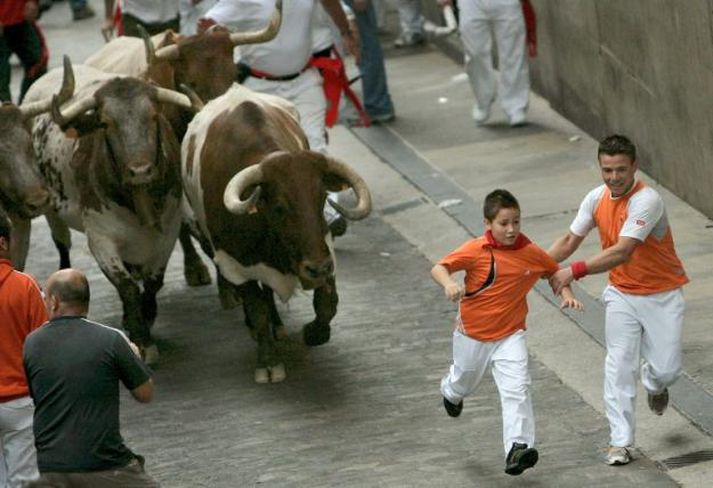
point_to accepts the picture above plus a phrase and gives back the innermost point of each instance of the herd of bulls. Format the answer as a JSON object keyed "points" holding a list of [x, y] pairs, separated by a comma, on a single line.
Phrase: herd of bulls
{"points": [[109, 148]]}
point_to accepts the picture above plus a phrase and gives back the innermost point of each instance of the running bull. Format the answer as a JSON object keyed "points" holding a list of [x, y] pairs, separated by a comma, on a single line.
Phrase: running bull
{"points": [[257, 195]]}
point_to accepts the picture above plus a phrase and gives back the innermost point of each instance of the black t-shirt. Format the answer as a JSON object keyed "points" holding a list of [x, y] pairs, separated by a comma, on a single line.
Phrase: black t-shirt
{"points": [[73, 368]]}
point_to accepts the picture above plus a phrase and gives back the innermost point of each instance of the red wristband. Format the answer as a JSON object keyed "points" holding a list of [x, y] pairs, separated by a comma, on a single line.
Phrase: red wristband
{"points": [[579, 269]]}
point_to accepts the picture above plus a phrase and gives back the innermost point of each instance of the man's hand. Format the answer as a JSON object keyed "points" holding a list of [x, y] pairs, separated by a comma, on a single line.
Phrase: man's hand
{"points": [[560, 279], [351, 44], [107, 29], [571, 302], [32, 10]]}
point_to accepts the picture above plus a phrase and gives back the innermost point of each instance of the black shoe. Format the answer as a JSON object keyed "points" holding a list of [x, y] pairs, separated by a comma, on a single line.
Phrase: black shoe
{"points": [[338, 227], [658, 403], [453, 409], [520, 458]]}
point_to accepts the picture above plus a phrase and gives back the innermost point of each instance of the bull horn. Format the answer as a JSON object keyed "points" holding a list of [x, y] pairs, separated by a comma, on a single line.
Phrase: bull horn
{"points": [[196, 102], [148, 44], [264, 35], [363, 206], [64, 117], [167, 53], [164, 95], [252, 175], [65, 93]]}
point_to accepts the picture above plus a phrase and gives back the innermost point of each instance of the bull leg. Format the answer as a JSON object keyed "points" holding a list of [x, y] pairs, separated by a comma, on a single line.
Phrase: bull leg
{"points": [[227, 293], [194, 270], [278, 328], [269, 368], [20, 242], [107, 257], [62, 238], [324, 302], [149, 307]]}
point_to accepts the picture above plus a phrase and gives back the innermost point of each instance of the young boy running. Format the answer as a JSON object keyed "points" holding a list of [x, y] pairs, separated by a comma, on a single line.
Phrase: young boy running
{"points": [[500, 269]]}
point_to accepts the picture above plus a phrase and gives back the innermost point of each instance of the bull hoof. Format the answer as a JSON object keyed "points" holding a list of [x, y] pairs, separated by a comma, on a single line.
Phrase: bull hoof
{"points": [[315, 335], [197, 275], [150, 355], [271, 374]]}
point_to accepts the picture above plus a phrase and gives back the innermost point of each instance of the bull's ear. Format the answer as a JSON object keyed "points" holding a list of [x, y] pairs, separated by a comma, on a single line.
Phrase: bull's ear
{"points": [[82, 125]]}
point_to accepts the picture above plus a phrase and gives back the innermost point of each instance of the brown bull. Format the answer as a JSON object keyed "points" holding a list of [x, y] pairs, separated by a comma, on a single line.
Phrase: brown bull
{"points": [[257, 195], [203, 63]]}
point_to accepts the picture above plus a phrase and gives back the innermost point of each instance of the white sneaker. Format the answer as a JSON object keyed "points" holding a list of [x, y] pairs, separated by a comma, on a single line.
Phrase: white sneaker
{"points": [[518, 119], [617, 456], [480, 115]]}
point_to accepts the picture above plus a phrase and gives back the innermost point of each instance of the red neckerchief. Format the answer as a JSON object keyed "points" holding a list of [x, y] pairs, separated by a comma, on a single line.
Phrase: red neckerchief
{"points": [[520, 242]]}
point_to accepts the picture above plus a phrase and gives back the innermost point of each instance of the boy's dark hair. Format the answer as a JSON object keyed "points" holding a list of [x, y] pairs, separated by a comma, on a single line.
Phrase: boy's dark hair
{"points": [[5, 225], [495, 201], [617, 144]]}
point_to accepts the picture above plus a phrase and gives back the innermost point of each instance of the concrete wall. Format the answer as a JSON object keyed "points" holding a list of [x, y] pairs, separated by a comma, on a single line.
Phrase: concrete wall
{"points": [[643, 68]]}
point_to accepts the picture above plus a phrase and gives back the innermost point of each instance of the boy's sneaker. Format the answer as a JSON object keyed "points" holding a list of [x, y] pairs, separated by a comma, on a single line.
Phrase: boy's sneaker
{"points": [[411, 39], [481, 115], [658, 403], [453, 409], [616, 456], [520, 458]]}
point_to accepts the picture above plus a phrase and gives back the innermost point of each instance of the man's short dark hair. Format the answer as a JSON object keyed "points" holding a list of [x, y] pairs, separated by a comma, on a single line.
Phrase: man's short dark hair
{"points": [[617, 144], [5, 225], [497, 200], [72, 292]]}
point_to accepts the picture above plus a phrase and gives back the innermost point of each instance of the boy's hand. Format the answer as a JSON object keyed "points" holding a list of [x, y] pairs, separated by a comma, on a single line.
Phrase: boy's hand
{"points": [[454, 291], [572, 303]]}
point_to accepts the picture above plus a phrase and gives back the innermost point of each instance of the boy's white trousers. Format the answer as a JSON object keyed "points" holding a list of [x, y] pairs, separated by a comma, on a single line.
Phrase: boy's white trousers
{"points": [[479, 21], [639, 327], [507, 359], [18, 459]]}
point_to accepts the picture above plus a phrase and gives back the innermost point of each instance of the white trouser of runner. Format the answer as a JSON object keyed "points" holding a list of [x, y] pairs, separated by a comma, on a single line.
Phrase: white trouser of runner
{"points": [[17, 441], [410, 16], [505, 18], [307, 94], [507, 359], [639, 327]]}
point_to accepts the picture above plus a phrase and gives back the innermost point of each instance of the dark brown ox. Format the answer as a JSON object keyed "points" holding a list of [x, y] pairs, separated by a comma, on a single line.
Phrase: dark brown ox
{"points": [[23, 193], [202, 62], [258, 196], [118, 182]]}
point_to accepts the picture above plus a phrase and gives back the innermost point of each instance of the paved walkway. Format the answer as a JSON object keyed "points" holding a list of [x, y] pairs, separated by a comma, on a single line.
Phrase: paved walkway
{"points": [[364, 410]]}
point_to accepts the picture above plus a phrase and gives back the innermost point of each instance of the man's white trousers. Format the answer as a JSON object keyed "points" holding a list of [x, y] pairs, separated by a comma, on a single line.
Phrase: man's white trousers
{"points": [[507, 359], [639, 327], [17, 441], [479, 20]]}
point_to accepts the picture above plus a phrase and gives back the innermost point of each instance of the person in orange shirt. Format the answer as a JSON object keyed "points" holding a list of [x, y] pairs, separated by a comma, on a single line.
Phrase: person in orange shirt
{"points": [[501, 267], [644, 302], [22, 310]]}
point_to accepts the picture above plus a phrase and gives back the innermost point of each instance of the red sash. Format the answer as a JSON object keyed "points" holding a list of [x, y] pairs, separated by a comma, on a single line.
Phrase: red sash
{"points": [[530, 27], [335, 83]]}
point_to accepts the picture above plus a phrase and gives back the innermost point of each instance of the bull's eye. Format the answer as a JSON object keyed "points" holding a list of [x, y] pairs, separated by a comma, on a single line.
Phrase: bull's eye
{"points": [[279, 210]]}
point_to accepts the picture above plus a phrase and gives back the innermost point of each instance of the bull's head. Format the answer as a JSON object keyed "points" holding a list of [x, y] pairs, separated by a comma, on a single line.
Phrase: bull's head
{"points": [[134, 144], [22, 188], [288, 191], [204, 62]]}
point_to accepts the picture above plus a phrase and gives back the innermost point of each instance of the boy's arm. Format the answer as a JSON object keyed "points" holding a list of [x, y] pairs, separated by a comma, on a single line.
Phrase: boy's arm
{"points": [[569, 300], [453, 290]]}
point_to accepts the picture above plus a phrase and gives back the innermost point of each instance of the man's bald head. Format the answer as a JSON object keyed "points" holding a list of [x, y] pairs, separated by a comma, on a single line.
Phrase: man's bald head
{"points": [[67, 293]]}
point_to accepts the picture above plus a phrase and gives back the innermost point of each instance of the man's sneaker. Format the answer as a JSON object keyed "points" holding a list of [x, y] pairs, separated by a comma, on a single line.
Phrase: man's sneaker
{"points": [[453, 409], [382, 118], [518, 119], [520, 458], [85, 12], [616, 456], [410, 39], [481, 115], [658, 403]]}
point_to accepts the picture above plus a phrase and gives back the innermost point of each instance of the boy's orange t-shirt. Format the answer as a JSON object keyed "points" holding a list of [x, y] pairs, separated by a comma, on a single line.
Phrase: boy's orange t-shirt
{"points": [[500, 309]]}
